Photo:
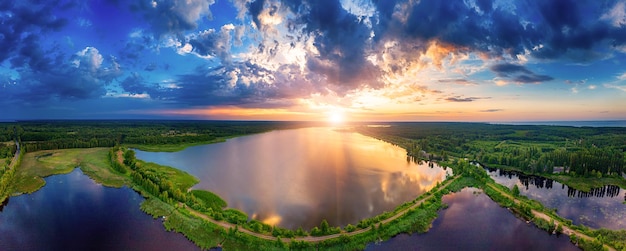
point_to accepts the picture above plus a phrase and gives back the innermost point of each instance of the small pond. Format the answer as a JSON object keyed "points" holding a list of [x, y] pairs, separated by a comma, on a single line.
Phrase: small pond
{"points": [[473, 221], [600, 207], [72, 212]]}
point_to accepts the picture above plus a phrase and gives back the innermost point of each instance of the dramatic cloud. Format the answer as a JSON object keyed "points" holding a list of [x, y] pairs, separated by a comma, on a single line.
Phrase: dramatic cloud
{"points": [[173, 16], [360, 55], [22, 24], [83, 76]]}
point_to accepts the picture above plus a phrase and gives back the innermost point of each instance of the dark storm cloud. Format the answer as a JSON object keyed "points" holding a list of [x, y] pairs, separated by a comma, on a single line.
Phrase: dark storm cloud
{"points": [[213, 43], [84, 75], [343, 44], [547, 29], [134, 84], [173, 16], [255, 9], [22, 22], [518, 73], [222, 85], [341, 39]]}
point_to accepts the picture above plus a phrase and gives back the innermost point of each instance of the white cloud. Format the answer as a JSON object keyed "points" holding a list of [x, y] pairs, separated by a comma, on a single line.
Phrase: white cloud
{"points": [[88, 58], [617, 15], [192, 10], [591, 87], [187, 48], [622, 77], [618, 87], [128, 95]]}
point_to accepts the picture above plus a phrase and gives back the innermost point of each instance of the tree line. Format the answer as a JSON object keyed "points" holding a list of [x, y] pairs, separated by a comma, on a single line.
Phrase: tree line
{"points": [[48, 135], [585, 151]]}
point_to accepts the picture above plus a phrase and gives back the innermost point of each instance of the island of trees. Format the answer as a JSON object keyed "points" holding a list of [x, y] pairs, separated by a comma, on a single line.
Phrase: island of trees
{"points": [[584, 158]]}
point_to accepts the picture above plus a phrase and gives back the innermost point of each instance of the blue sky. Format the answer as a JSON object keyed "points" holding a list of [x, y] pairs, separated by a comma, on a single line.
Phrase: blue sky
{"points": [[429, 60]]}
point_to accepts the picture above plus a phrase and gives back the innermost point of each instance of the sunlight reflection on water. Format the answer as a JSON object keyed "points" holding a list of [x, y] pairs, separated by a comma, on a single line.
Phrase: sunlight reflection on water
{"points": [[305, 175]]}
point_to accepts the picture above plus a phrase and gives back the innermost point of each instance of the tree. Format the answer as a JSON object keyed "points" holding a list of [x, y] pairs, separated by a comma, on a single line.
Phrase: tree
{"points": [[324, 227], [516, 191]]}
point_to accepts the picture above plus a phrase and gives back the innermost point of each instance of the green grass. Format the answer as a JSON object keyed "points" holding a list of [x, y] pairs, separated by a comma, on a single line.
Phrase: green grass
{"points": [[209, 199], [585, 184], [156, 207], [181, 179], [38, 165]]}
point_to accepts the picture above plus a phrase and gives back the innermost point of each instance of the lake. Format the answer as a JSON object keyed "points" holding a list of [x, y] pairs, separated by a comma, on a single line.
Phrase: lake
{"points": [[601, 207], [300, 177], [72, 212], [473, 221]]}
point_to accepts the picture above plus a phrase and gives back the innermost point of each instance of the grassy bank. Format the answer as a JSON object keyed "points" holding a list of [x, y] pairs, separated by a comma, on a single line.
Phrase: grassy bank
{"points": [[176, 147], [37, 165], [548, 220], [584, 184], [206, 234]]}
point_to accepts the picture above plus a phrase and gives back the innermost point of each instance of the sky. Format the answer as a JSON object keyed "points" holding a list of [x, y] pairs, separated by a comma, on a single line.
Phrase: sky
{"points": [[343, 60]]}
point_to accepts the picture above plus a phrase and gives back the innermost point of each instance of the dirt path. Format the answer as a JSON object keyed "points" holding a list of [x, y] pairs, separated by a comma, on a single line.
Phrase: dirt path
{"points": [[319, 238], [566, 230]]}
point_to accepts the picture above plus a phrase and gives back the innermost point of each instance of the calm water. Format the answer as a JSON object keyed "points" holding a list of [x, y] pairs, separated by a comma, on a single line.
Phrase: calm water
{"points": [[72, 212], [602, 207], [299, 177], [474, 222]]}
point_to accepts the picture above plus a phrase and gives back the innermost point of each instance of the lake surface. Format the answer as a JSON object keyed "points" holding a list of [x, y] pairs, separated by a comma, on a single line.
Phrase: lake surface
{"points": [[473, 221], [299, 177], [601, 207], [72, 212]]}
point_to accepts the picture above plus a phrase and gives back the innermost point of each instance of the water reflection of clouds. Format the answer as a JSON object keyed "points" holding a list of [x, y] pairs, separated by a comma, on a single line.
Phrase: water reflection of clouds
{"points": [[474, 222], [72, 212], [306, 175]]}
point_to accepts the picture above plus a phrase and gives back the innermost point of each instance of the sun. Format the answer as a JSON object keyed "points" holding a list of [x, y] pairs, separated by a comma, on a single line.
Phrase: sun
{"points": [[336, 117]]}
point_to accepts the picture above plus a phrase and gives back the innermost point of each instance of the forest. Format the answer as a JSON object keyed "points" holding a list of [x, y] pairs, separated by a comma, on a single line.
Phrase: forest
{"points": [[578, 151], [48, 135]]}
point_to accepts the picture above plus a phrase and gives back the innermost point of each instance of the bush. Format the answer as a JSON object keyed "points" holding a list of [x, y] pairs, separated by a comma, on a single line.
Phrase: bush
{"points": [[235, 216]]}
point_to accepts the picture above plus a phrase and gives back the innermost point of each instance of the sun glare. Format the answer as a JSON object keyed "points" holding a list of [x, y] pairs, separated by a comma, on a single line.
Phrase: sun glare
{"points": [[336, 117]]}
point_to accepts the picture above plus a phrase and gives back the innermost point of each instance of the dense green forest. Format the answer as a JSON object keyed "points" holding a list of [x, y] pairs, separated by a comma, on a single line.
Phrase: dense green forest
{"points": [[47, 135], [585, 151]]}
